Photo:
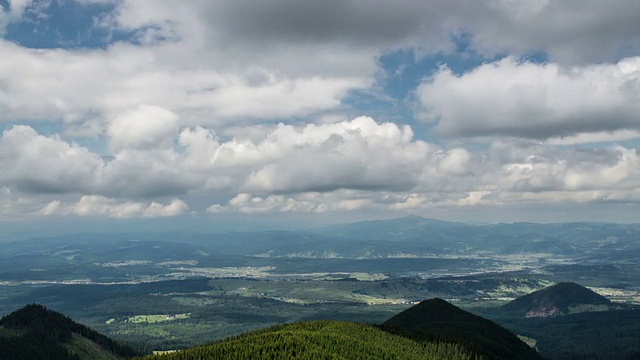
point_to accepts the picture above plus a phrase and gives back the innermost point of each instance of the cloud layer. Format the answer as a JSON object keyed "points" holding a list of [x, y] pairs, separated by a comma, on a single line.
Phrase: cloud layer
{"points": [[345, 166], [541, 101], [209, 107]]}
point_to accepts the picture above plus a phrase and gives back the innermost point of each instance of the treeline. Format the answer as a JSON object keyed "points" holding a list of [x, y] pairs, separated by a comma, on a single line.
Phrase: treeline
{"points": [[321, 340], [35, 324], [607, 335], [30, 346]]}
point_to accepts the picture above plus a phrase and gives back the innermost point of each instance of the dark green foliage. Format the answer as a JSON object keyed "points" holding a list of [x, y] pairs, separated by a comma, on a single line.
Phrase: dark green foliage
{"points": [[321, 340], [38, 328], [436, 320], [30, 346], [555, 300], [634, 356], [606, 335]]}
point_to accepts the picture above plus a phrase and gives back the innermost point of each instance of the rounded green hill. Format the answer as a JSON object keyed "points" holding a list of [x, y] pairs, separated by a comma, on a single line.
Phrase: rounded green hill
{"points": [[320, 340]]}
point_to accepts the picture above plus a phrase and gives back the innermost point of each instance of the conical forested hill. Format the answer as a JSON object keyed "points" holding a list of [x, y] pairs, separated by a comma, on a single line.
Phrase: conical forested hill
{"points": [[321, 340], [35, 332], [559, 299], [436, 320]]}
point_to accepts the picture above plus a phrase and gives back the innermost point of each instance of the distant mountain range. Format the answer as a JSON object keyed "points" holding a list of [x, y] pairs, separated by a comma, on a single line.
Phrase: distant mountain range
{"points": [[410, 236], [417, 236]]}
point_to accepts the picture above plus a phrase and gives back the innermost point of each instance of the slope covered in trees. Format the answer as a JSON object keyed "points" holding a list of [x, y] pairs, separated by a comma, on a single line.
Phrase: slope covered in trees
{"points": [[559, 299], [436, 320], [35, 332], [433, 329], [321, 340], [611, 335]]}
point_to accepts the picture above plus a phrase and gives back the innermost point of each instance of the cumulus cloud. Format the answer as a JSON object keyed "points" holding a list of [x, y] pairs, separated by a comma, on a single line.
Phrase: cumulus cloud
{"points": [[248, 204], [455, 161], [15, 205], [356, 165], [523, 99], [276, 60], [39, 164], [570, 31], [90, 88], [356, 154], [144, 127], [102, 206], [67, 168], [191, 108], [309, 202], [507, 174], [145, 174]]}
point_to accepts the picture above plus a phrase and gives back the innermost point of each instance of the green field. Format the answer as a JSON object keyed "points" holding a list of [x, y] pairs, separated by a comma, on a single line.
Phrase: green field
{"points": [[150, 319]]}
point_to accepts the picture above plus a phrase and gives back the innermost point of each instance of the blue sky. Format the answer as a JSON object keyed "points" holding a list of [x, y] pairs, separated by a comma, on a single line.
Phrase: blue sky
{"points": [[135, 111]]}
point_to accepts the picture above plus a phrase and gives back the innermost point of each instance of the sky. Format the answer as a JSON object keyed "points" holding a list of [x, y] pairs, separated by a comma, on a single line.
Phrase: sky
{"points": [[126, 112]]}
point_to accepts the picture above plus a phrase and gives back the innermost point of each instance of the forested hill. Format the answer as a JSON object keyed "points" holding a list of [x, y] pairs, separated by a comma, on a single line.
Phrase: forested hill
{"points": [[322, 340], [559, 299], [35, 332], [433, 329], [436, 320]]}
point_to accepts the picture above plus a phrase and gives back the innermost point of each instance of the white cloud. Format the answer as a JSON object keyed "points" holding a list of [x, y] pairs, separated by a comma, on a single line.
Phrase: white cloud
{"points": [[357, 154], [38, 164], [542, 101], [189, 110], [17, 7], [308, 202], [86, 87], [144, 127], [596, 137], [15, 205], [247, 204], [455, 161], [508, 174], [146, 174], [268, 98], [272, 60], [102, 206], [356, 165]]}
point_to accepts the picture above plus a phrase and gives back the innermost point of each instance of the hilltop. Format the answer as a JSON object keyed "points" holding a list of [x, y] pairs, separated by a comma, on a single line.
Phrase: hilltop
{"points": [[559, 299], [35, 332], [433, 329], [321, 340], [436, 320]]}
